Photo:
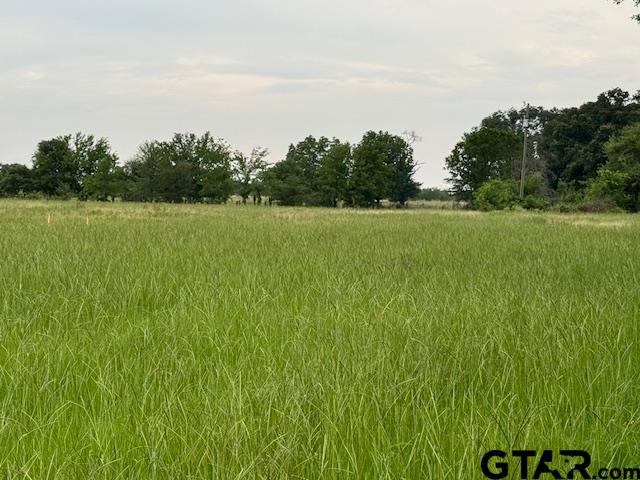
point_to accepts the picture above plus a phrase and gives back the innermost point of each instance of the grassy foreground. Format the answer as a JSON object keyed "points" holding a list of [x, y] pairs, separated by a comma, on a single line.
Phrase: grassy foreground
{"points": [[253, 342]]}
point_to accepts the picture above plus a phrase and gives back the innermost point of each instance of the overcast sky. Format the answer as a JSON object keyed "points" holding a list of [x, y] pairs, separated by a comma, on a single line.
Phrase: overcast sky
{"points": [[270, 72]]}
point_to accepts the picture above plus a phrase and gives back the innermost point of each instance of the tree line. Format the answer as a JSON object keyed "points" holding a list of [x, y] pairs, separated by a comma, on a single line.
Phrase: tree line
{"points": [[585, 157], [192, 168]]}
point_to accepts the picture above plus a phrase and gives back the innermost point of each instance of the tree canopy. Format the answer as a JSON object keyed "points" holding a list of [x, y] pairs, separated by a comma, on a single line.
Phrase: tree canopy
{"points": [[568, 149], [192, 168]]}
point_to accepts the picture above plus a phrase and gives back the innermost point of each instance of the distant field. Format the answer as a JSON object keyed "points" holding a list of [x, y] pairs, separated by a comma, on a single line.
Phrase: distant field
{"points": [[196, 341]]}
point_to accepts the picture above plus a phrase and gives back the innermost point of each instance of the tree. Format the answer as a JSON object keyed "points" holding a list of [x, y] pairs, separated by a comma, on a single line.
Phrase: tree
{"points": [[247, 172], [619, 179], [107, 182], [432, 194], [383, 167], [62, 164], [402, 168], [637, 4], [15, 179], [55, 167], [369, 182], [333, 174], [186, 168], [572, 142], [88, 153], [484, 154], [215, 170], [294, 180]]}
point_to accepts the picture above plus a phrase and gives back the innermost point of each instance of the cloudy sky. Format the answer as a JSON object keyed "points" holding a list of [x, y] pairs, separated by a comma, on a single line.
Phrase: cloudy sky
{"points": [[270, 72]]}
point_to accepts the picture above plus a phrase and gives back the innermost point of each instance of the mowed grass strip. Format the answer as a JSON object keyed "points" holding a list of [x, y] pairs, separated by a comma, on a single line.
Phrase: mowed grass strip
{"points": [[210, 342]]}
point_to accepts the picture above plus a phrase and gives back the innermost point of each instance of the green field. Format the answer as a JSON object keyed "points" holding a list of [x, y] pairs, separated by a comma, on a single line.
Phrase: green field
{"points": [[192, 341]]}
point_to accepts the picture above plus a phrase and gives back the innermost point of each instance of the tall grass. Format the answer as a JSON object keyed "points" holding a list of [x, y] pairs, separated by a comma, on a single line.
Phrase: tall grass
{"points": [[169, 342]]}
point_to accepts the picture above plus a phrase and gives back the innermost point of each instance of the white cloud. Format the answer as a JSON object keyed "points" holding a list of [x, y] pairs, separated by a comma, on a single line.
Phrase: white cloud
{"points": [[270, 71]]}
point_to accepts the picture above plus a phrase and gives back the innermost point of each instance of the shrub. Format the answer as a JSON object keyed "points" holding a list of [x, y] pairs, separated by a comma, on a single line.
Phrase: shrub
{"points": [[600, 205], [496, 195], [610, 187], [535, 202]]}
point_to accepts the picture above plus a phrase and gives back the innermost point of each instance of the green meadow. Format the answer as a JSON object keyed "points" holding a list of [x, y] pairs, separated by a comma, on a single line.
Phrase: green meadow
{"points": [[148, 341]]}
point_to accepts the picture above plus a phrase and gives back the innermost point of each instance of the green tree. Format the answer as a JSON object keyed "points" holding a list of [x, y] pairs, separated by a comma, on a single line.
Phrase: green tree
{"points": [[107, 182], [15, 179], [186, 168], [484, 154], [333, 174], [369, 182], [55, 167], [294, 180], [383, 168], [619, 179], [248, 171], [572, 143], [432, 193], [215, 170], [88, 153], [62, 164]]}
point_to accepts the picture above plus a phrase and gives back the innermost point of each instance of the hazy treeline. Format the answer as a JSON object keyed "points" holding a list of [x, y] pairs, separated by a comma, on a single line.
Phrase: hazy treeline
{"points": [[585, 157], [191, 168]]}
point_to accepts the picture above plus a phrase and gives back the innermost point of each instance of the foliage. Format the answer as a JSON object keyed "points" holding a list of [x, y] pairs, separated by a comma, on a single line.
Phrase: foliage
{"points": [[248, 171], [383, 167], [187, 168], [294, 180], [333, 174], [610, 186], [566, 150], [619, 180], [485, 154], [61, 165], [502, 194], [496, 195], [107, 182], [15, 179], [433, 193], [573, 140]]}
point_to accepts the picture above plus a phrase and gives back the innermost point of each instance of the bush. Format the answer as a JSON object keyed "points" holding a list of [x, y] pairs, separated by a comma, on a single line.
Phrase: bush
{"points": [[564, 207], [599, 205], [535, 202], [496, 195], [610, 187]]}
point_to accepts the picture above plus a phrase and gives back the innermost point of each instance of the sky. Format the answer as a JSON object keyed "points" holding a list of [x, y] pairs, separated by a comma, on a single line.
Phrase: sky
{"points": [[270, 72]]}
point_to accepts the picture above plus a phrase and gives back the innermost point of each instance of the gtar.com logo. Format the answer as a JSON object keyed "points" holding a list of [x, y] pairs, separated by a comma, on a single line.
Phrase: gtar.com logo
{"points": [[497, 465]]}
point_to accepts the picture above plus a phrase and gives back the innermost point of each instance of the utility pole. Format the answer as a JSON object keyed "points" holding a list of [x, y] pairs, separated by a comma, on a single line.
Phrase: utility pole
{"points": [[523, 171]]}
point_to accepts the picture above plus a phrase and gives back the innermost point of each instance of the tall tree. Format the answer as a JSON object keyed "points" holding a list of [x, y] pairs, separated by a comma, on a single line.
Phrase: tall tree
{"points": [[215, 169], [294, 180], [485, 154], [572, 142], [247, 172], [383, 167], [369, 182], [186, 168], [107, 182], [333, 174], [62, 164], [619, 179], [15, 179], [55, 167]]}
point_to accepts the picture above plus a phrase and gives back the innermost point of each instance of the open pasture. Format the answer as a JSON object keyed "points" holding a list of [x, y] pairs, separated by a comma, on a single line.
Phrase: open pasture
{"points": [[191, 341]]}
